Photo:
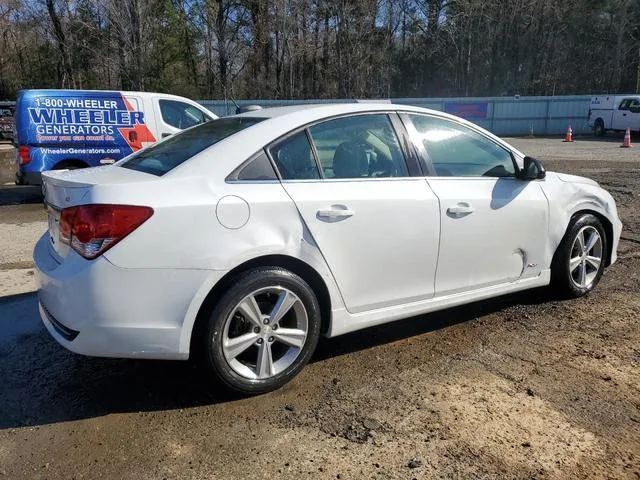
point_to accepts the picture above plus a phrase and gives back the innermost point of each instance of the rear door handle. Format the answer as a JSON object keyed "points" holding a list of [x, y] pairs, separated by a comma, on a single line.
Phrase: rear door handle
{"points": [[335, 212], [460, 209]]}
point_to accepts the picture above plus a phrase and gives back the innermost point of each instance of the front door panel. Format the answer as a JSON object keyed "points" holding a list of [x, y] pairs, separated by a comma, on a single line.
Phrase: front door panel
{"points": [[494, 231]]}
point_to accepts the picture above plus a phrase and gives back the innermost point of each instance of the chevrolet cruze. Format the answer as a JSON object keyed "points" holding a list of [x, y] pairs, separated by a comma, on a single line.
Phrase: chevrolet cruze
{"points": [[248, 237]]}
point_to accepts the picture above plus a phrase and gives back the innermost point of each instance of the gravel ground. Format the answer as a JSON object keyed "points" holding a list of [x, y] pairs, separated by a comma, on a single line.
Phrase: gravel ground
{"points": [[522, 386]]}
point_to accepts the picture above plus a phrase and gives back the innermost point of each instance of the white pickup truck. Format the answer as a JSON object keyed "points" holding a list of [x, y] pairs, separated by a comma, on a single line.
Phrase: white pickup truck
{"points": [[614, 112]]}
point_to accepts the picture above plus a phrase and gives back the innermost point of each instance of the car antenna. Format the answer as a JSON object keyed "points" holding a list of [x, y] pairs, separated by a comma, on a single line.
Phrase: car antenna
{"points": [[224, 88]]}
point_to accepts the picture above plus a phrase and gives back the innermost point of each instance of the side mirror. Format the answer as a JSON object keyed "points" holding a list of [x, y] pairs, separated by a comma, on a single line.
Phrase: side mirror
{"points": [[532, 170]]}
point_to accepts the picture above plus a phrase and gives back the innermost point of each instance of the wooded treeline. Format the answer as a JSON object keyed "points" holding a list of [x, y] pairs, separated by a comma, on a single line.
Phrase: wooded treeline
{"points": [[322, 48]]}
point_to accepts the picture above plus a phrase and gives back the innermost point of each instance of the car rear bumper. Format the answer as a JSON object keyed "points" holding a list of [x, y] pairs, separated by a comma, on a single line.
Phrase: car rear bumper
{"points": [[95, 308]]}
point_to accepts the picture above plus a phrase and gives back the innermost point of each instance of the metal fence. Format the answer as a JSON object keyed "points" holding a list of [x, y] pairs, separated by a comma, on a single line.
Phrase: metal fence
{"points": [[500, 115]]}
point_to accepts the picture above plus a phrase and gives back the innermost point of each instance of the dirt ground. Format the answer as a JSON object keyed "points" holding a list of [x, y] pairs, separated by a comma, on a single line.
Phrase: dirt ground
{"points": [[521, 386]]}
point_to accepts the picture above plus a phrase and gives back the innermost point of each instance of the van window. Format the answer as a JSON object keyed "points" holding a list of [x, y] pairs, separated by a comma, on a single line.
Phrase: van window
{"points": [[624, 105], [181, 115], [162, 157]]}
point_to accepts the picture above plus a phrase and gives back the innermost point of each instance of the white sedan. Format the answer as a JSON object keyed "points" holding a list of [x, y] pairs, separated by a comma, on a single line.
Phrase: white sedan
{"points": [[248, 237]]}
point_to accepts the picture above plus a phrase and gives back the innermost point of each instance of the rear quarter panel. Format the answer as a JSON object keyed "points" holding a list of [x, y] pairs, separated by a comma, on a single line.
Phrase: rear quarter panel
{"points": [[193, 228]]}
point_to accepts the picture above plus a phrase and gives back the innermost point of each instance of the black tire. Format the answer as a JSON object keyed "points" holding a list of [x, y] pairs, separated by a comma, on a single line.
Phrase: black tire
{"points": [[562, 280], [598, 128], [70, 165], [244, 285]]}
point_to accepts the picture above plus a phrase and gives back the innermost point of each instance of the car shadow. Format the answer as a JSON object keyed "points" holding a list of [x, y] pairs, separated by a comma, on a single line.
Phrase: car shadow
{"points": [[421, 324], [43, 383], [20, 194]]}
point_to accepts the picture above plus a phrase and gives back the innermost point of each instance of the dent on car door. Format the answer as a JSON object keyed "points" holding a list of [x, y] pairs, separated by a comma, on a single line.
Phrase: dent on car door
{"points": [[377, 227], [494, 226]]}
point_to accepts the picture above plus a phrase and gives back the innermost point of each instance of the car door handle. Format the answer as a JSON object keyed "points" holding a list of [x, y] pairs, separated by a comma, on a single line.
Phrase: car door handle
{"points": [[460, 209], [165, 135], [335, 212]]}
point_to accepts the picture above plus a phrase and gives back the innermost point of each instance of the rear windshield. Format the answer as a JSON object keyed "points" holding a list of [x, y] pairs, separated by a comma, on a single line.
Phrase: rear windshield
{"points": [[163, 157]]}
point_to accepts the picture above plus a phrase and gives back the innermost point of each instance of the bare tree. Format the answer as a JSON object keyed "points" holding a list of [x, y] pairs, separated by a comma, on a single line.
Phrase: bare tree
{"points": [[322, 48]]}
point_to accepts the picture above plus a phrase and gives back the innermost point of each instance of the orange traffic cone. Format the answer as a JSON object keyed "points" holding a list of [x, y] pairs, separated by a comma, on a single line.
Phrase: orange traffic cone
{"points": [[569, 135], [627, 140]]}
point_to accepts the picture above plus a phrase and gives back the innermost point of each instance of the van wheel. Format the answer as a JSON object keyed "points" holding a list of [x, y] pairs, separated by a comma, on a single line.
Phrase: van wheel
{"points": [[70, 165], [598, 128]]}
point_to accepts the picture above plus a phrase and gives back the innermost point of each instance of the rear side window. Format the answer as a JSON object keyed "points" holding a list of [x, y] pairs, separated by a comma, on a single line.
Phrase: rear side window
{"points": [[361, 146], [257, 169], [165, 156], [181, 115], [294, 158]]}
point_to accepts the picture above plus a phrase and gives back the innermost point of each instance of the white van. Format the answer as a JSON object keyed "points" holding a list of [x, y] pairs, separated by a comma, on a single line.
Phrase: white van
{"points": [[614, 112], [65, 129]]}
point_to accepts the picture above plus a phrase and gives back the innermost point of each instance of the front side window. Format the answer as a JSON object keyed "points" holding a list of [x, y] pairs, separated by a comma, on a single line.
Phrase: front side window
{"points": [[294, 158], [624, 105], [160, 158], [361, 146], [181, 115], [459, 151]]}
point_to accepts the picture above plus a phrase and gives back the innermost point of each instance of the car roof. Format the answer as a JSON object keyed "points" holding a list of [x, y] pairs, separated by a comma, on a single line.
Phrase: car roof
{"points": [[279, 122], [321, 110]]}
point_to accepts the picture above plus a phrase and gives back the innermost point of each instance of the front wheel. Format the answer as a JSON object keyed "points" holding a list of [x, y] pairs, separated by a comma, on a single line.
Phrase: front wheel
{"points": [[579, 261], [263, 330]]}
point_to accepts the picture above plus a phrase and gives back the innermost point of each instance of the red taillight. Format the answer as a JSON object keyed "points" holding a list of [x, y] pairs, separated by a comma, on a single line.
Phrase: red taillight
{"points": [[23, 153], [91, 230]]}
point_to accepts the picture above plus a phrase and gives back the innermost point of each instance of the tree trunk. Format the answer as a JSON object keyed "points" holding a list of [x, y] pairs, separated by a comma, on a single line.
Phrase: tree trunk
{"points": [[58, 32]]}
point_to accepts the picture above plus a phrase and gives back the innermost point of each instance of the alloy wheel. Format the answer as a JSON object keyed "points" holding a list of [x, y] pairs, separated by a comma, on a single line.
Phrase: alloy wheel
{"points": [[265, 333], [586, 257]]}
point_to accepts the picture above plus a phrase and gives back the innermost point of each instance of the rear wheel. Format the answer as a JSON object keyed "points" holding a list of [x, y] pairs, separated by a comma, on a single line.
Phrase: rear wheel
{"points": [[579, 261], [263, 330], [598, 128], [70, 165]]}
